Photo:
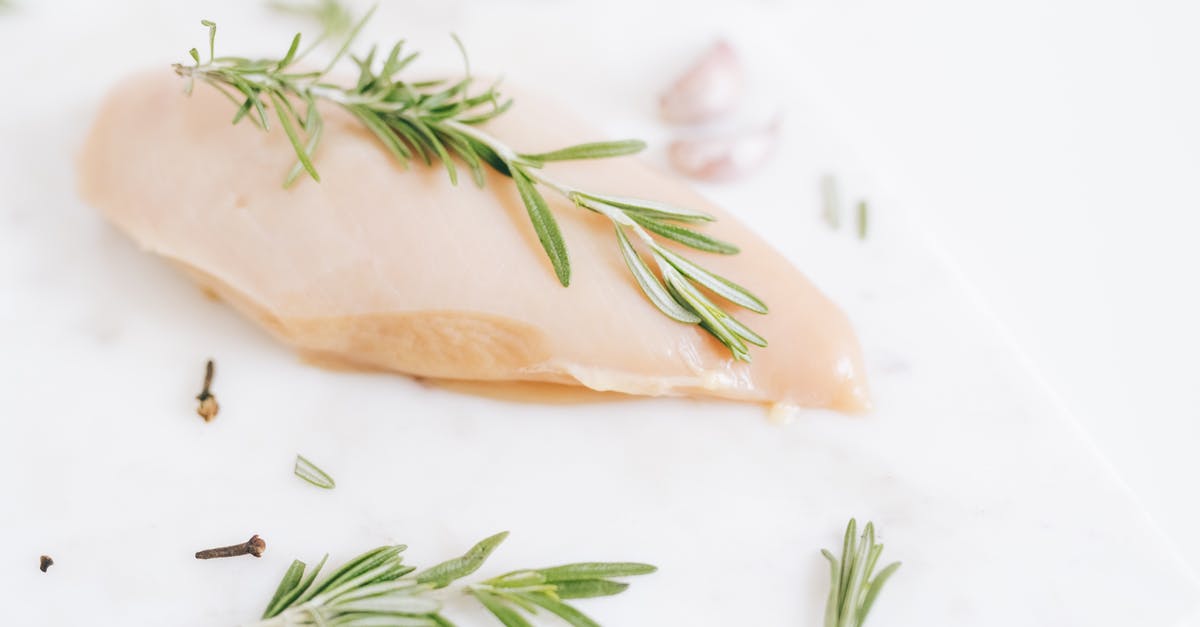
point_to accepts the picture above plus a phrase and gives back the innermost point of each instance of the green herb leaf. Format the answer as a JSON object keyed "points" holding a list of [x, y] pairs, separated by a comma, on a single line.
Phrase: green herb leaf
{"points": [[309, 472], [650, 284], [595, 570], [650, 208], [687, 237], [562, 610], [589, 589], [290, 580], [545, 226], [594, 150], [443, 574]]}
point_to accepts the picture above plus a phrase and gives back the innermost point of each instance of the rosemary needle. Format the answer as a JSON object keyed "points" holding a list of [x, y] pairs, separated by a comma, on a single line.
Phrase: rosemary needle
{"points": [[309, 472], [439, 121]]}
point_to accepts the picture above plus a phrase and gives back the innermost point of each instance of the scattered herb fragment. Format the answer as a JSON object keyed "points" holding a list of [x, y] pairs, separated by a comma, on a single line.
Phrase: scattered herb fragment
{"points": [[853, 590], [377, 588], [438, 121], [45, 563], [862, 219], [254, 546], [309, 472], [208, 406]]}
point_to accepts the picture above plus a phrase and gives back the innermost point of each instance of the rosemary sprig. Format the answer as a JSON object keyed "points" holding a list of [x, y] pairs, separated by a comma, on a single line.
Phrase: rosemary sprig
{"points": [[853, 590], [439, 121], [309, 472], [378, 588]]}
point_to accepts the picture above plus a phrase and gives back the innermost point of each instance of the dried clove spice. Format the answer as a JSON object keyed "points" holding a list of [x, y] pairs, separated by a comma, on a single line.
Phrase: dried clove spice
{"points": [[254, 546], [45, 563], [208, 407]]}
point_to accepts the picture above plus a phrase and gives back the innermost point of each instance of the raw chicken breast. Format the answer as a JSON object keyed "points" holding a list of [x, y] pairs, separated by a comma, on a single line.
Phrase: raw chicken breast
{"points": [[382, 267]]}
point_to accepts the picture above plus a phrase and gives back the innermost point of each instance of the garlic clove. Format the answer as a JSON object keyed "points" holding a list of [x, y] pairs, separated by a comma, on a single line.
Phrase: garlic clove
{"points": [[724, 157], [711, 87]]}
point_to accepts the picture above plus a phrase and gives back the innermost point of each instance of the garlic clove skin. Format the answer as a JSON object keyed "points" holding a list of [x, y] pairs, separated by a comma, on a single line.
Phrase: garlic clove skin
{"points": [[710, 88], [724, 157]]}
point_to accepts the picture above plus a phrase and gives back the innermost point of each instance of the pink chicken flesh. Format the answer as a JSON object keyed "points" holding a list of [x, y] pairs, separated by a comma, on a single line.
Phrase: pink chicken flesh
{"points": [[378, 266]]}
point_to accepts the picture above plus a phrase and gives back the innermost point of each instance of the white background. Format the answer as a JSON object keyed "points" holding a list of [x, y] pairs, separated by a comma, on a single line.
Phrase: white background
{"points": [[1050, 146]]}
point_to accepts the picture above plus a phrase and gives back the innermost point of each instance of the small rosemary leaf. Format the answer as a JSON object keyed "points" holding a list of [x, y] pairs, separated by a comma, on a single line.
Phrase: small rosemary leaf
{"points": [[399, 151], [212, 37], [291, 578], [291, 54], [595, 570], [518, 579], [684, 236], [316, 129], [393, 58], [862, 219], [386, 620], [873, 589], [443, 574], [402, 128], [432, 141], [490, 156], [831, 604], [464, 151], [403, 587], [195, 55], [847, 559], [463, 51], [398, 604], [365, 76], [517, 600], [872, 558], [488, 115], [242, 111], [589, 588], [295, 593], [594, 150], [505, 614], [442, 97], [349, 40], [651, 287], [401, 64], [688, 294], [309, 472], [652, 208], [721, 286], [562, 610], [744, 332], [252, 95], [545, 226]]}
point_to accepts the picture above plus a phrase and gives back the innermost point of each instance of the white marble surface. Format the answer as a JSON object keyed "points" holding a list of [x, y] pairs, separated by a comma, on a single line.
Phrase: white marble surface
{"points": [[999, 507], [1052, 146]]}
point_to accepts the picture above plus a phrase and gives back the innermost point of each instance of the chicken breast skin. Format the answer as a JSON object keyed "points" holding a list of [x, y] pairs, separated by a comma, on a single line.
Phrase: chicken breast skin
{"points": [[385, 267]]}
